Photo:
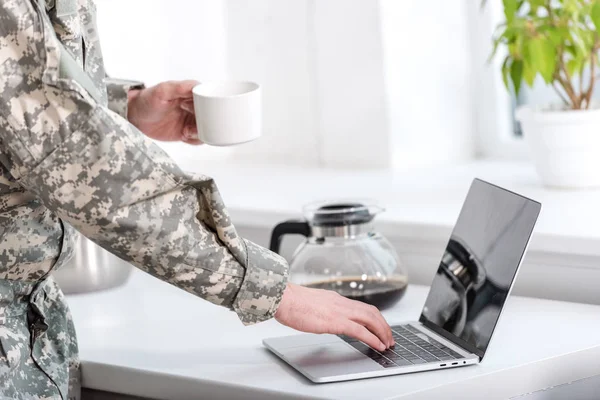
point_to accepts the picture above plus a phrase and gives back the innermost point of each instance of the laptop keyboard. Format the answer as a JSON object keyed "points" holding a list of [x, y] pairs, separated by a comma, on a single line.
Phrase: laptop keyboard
{"points": [[410, 349]]}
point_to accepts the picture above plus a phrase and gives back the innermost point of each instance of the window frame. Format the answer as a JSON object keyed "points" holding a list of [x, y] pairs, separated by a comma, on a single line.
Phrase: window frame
{"points": [[493, 103]]}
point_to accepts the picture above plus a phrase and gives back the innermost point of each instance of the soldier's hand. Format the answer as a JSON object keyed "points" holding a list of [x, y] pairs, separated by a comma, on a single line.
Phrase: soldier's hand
{"points": [[324, 311], [165, 111]]}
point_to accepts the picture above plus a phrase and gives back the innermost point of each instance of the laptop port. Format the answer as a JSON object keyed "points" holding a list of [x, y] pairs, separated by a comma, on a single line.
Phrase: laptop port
{"points": [[455, 363], [442, 365]]}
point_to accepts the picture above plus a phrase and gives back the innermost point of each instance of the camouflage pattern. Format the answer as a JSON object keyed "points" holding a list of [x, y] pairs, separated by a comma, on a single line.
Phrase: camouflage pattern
{"points": [[70, 161], [117, 94], [38, 342]]}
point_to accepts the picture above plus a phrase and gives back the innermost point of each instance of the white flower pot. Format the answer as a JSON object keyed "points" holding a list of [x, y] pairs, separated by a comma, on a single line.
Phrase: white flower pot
{"points": [[564, 145]]}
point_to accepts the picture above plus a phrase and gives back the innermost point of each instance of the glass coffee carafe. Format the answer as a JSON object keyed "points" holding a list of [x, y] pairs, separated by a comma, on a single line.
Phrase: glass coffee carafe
{"points": [[344, 253]]}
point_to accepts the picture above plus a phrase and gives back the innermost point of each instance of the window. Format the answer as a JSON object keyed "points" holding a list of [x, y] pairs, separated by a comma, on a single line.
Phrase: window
{"points": [[499, 134]]}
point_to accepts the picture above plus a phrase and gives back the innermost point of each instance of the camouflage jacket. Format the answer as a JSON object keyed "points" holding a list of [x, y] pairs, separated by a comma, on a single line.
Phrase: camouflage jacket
{"points": [[69, 159]]}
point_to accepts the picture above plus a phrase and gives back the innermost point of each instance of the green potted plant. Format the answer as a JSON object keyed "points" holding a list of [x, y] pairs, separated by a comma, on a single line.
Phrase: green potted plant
{"points": [[557, 40]]}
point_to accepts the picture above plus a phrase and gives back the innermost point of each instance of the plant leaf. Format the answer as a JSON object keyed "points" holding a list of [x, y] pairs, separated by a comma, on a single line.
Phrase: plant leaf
{"points": [[556, 37], [595, 14], [528, 75], [506, 72], [570, 7], [542, 54], [572, 50], [536, 5], [516, 75], [578, 43], [510, 9], [573, 67]]}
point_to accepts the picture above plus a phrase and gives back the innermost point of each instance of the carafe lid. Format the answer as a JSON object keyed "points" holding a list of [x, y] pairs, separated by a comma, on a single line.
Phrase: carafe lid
{"points": [[338, 213]]}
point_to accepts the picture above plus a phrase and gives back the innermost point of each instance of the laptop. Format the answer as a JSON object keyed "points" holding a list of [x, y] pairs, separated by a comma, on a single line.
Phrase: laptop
{"points": [[475, 276]]}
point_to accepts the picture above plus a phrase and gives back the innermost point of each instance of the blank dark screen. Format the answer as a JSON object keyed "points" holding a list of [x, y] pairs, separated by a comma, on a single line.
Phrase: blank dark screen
{"points": [[480, 263]]}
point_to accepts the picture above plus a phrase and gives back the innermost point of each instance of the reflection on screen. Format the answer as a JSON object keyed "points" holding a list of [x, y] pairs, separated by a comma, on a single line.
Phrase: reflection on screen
{"points": [[480, 263]]}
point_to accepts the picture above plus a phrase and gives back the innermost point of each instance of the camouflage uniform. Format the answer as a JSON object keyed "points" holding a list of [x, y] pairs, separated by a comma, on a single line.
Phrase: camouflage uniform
{"points": [[69, 159]]}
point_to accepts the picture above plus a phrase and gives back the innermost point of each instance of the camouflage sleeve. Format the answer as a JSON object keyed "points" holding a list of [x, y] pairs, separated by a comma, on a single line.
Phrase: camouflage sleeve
{"points": [[117, 90], [100, 174]]}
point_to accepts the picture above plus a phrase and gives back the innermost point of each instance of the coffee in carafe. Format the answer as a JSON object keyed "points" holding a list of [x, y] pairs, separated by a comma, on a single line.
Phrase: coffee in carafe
{"points": [[381, 294]]}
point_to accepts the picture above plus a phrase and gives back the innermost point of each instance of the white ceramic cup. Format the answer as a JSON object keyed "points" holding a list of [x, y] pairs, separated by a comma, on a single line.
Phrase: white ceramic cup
{"points": [[228, 113]]}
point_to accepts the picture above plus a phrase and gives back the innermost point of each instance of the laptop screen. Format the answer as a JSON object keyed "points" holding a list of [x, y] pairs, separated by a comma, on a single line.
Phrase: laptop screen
{"points": [[479, 265]]}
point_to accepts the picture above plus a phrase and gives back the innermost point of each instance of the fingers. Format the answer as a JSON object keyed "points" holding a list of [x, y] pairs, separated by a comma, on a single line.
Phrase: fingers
{"points": [[370, 317], [193, 142], [174, 90], [190, 132], [384, 324], [188, 105], [184, 88], [361, 333]]}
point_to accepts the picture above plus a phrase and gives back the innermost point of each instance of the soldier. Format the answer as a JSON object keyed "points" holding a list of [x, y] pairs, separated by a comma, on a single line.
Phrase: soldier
{"points": [[75, 156]]}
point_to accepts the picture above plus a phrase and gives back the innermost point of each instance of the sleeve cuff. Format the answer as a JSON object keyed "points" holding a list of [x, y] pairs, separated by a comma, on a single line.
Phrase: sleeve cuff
{"points": [[117, 90], [264, 282]]}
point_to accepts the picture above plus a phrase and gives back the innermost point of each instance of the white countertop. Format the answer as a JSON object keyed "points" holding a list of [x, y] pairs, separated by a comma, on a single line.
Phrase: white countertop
{"points": [[152, 340]]}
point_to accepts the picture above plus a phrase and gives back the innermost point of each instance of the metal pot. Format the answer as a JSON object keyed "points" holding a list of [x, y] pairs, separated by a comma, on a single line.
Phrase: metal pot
{"points": [[91, 269]]}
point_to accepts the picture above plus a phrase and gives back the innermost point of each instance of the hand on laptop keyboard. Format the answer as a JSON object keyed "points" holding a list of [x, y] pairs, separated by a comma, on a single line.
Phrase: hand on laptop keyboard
{"points": [[325, 311], [410, 349]]}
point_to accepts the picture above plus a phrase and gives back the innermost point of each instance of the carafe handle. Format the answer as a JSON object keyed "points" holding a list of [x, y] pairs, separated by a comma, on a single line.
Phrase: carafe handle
{"points": [[291, 227]]}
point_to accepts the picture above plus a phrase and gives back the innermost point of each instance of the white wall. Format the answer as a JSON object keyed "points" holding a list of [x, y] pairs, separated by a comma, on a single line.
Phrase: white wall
{"points": [[322, 75], [350, 85], [347, 83], [268, 42], [428, 64]]}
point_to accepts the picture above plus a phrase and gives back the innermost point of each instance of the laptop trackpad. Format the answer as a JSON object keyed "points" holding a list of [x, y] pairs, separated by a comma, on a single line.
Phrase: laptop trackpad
{"points": [[330, 359]]}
